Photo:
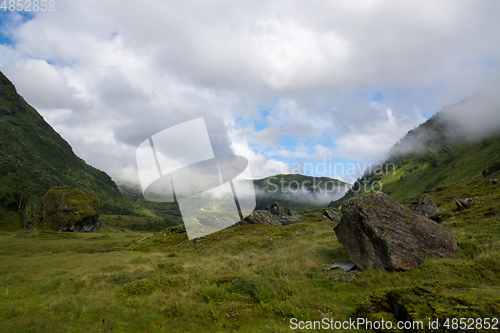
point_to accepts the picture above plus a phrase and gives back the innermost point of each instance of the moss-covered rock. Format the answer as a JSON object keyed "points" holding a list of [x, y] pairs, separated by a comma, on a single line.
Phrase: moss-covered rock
{"points": [[70, 209], [426, 304]]}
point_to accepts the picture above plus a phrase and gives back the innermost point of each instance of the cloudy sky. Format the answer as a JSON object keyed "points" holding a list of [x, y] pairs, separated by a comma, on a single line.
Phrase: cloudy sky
{"points": [[282, 83]]}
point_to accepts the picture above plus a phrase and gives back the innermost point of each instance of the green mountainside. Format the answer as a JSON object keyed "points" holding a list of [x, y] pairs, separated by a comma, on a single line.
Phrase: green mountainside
{"points": [[35, 158], [435, 155]]}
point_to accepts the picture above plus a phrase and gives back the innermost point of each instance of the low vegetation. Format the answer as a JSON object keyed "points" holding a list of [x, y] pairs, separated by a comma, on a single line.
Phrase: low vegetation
{"points": [[415, 173], [251, 278]]}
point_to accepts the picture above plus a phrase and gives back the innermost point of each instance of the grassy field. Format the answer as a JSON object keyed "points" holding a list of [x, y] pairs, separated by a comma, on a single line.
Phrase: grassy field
{"points": [[251, 278]]}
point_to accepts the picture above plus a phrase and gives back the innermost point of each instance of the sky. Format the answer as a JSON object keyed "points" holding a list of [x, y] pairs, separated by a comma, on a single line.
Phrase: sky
{"points": [[293, 86]]}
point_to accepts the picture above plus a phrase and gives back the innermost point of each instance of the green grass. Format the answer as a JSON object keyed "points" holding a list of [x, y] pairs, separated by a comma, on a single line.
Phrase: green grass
{"points": [[250, 278], [139, 223], [460, 165]]}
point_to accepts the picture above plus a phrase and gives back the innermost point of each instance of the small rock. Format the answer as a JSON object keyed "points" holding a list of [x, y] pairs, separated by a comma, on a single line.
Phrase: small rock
{"points": [[280, 210], [332, 215], [344, 267], [426, 207], [464, 204]]}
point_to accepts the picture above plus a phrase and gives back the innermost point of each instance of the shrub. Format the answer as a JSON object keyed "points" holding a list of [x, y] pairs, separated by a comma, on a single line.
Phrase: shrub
{"points": [[213, 293]]}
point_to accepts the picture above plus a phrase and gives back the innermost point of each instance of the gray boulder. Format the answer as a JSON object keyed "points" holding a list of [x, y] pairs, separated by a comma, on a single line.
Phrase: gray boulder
{"points": [[261, 217], [464, 204], [280, 210], [380, 233], [332, 215], [70, 209], [275, 214], [426, 207]]}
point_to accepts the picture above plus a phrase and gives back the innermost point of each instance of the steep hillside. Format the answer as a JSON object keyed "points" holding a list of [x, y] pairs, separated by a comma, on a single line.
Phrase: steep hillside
{"points": [[439, 153], [34, 158]]}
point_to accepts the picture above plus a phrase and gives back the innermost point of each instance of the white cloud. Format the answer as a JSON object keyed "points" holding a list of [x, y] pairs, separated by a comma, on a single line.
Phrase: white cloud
{"points": [[374, 140], [108, 76], [260, 165]]}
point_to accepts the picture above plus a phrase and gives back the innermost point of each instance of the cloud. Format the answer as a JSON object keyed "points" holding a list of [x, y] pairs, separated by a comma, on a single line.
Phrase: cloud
{"points": [[478, 114], [374, 140], [47, 86], [107, 77]]}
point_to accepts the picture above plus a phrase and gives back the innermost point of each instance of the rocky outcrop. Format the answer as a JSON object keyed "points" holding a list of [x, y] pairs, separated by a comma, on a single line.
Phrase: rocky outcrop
{"points": [[380, 233], [70, 209], [280, 210], [261, 217], [426, 207], [332, 215], [286, 215], [325, 214], [275, 214], [491, 169], [464, 204]]}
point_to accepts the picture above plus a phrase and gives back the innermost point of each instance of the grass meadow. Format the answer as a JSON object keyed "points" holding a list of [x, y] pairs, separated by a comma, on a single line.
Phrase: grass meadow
{"points": [[251, 278]]}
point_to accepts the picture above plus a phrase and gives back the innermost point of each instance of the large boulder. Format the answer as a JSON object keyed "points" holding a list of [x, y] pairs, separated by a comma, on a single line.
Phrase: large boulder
{"points": [[380, 233], [426, 207], [70, 209]]}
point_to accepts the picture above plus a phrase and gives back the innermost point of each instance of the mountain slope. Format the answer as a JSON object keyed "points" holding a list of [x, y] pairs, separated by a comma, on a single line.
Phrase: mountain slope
{"points": [[441, 152], [34, 158]]}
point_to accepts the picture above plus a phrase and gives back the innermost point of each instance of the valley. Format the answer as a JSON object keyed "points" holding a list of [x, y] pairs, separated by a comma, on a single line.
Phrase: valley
{"points": [[139, 272]]}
